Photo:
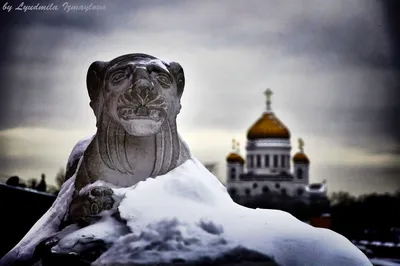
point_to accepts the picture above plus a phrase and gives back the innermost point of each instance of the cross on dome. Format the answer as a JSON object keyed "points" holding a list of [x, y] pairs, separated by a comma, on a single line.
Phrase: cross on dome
{"points": [[237, 147], [301, 145], [234, 144], [268, 93]]}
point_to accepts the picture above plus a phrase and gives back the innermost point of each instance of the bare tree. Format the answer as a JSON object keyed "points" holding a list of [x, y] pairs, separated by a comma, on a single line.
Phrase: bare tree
{"points": [[342, 197], [32, 183], [52, 189], [60, 177]]}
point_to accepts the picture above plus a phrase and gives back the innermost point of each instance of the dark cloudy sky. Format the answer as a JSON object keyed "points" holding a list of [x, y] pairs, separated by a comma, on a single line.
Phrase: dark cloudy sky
{"points": [[332, 66]]}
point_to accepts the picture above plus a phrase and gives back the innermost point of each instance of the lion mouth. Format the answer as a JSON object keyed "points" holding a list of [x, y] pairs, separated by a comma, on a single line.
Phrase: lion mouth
{"points": [[131, 108], [141, 112]]}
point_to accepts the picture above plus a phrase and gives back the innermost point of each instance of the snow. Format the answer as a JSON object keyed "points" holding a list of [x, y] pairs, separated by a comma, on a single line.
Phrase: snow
{"points": [[381, 262], [389, 244], [321, 190], [107, 229], [187, 214]]}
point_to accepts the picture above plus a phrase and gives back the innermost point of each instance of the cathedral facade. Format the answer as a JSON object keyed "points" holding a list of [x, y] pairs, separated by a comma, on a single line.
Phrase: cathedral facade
{"points": [[269, 166]]}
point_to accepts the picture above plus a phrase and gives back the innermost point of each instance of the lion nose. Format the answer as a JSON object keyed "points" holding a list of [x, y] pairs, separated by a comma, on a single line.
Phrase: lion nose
{"points": [[145, 90], [142, 85]]}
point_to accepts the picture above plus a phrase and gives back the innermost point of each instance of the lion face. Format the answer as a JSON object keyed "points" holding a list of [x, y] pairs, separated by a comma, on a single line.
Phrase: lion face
{"points": [[140, 94]]}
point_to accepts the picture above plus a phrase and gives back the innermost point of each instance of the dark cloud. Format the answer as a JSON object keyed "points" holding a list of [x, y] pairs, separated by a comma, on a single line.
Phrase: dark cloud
{"points": [[391, 10], [32, 98], [31, 41], [369, 42], [358, 41], [26, 100], [359, 180], [8, 164]]}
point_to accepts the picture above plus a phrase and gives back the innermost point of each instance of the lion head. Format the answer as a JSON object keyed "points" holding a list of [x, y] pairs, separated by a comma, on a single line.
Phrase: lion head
{"points": [[137, 91]]}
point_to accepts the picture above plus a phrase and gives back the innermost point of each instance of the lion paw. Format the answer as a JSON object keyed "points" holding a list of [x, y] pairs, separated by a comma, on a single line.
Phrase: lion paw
{"points": [[87, 207]]}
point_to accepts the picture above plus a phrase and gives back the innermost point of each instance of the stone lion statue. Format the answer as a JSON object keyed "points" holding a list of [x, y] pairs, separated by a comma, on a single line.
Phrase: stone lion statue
{"points": [[136, 100]]}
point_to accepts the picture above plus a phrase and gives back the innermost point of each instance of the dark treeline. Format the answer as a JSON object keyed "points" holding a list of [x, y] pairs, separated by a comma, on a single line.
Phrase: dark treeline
{"points": [[299, 207], [372, 217], [41, 186]]}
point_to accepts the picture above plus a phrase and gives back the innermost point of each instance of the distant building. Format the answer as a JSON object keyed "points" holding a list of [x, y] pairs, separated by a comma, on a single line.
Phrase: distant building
{"points": [[267, 167], [212, 167]]}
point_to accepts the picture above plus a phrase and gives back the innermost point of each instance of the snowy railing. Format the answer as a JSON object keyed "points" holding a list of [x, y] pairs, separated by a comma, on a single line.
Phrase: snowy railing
{"points": [[378, 248]]}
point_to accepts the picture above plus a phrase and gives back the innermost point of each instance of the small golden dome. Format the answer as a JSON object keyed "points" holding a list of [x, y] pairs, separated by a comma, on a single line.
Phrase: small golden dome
{"points": [[234, 158], [268, 126], [301, 157]]}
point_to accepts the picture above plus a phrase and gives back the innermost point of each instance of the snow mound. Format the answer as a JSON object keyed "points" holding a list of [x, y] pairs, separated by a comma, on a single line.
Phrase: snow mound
{"points": [[188, 216]]}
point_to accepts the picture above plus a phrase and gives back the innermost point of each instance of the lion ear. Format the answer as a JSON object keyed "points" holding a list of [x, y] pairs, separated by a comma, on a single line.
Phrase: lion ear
{"points": [[94, 79], [94, 83], [177, 71]]}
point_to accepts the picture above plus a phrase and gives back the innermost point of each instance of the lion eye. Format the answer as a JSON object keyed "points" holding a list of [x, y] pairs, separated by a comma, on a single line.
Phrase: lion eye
{"points": [[164, 80], [118, 77]]}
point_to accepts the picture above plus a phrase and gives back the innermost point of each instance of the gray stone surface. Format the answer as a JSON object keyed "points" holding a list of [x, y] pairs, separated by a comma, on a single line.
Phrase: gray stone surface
{"points": [[136, 100]]}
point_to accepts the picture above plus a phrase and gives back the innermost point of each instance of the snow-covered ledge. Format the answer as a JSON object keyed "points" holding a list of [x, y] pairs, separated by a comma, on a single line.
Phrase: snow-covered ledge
{"points": [[187, 214]]}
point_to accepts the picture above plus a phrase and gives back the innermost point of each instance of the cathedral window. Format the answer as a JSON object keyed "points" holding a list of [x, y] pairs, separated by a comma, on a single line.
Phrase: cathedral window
{"points": [[266, 160], [232, 173], [300, 191], [275, 161], [258, 160], [283, 160], [232, 191], [299, 173], [265, 189], [251, 161]]}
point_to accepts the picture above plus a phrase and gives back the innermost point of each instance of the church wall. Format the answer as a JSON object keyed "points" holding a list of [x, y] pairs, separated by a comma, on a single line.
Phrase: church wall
{"points": [[234, 169], [254, 188], [270, 167], [304, 174]]}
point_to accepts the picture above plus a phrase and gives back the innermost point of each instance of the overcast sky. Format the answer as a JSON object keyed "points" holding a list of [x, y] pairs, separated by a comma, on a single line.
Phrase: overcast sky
{"points": [[330, 64]]}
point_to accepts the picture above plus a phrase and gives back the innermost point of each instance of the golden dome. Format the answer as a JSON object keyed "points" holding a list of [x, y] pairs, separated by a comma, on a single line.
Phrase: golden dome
{"points": [[234, 158], [268, 126], [301, 157]]}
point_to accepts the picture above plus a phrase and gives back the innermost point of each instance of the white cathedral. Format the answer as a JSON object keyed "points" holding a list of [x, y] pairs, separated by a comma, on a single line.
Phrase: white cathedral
{"points": [[267, 167]]}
